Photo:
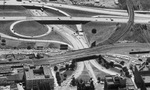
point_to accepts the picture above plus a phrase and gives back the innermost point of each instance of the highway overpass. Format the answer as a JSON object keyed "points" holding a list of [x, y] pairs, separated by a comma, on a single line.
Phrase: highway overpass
{"points": [[74, 20], [97, 11]]}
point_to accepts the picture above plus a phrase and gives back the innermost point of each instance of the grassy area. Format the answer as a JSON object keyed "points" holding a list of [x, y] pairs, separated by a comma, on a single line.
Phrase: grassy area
{"points": [[135, 34], [10, 43], [54, 36], [13, 11], [73, 27], [16, 44], [5, 28], [104, 30], [30, 28], [144, 4]]}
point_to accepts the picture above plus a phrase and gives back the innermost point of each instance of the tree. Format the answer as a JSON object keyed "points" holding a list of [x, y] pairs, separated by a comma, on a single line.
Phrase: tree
{"points": [[72, 66], [55, 68], [73, 61], [91, 85], [65, 76], [99, 59], [3, 44], [10, 59], [58, 78], [98, 80], [78, 85], [57, 74], [3, 40], [94, 31], [28, 47], [106, 66], [38, 56], [111, 64], [125, 69], [122, 62], [83, 86], [93, 44], [131, 67], [73, 81], [67, 66]]}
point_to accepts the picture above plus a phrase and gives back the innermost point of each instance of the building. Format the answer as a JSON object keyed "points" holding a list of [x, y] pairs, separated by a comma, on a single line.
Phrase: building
{"points": [[142, 76], [118, 83], [38, 78]]}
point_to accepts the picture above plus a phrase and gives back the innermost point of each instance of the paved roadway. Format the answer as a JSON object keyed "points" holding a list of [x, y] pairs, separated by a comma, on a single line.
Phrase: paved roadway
{"points": [[76, 20], [140, 18], [72, 7]]}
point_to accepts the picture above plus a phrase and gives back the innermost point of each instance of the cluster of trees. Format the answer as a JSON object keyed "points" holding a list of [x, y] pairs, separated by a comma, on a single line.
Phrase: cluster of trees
{"points": [[126, 71], [67, 66], [110, 64], [105, 63], [144, 27], [81, 85], [58, 77]]}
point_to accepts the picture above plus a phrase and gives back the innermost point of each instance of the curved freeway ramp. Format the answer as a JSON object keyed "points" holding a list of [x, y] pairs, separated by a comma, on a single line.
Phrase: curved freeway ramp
{"points": [[120, 33]]}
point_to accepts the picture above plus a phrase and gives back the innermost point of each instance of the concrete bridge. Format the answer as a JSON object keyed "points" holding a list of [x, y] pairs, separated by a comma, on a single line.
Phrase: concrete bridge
{"points": [[74, 20]]}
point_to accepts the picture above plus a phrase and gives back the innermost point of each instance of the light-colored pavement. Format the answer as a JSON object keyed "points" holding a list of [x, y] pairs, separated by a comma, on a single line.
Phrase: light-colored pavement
{"points": [[77, 19], [94, 10], [20, 87]]}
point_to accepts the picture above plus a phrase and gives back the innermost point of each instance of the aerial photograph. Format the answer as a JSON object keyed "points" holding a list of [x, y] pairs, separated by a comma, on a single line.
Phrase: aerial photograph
{"points": [[74, 44]]}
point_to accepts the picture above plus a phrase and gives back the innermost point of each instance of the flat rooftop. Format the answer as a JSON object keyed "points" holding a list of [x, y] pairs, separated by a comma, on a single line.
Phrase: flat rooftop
{"points": [[38, 72]]}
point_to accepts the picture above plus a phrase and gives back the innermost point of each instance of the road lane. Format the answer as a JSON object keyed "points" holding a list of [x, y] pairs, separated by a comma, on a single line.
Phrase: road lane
{"points": [[72, 7]]}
